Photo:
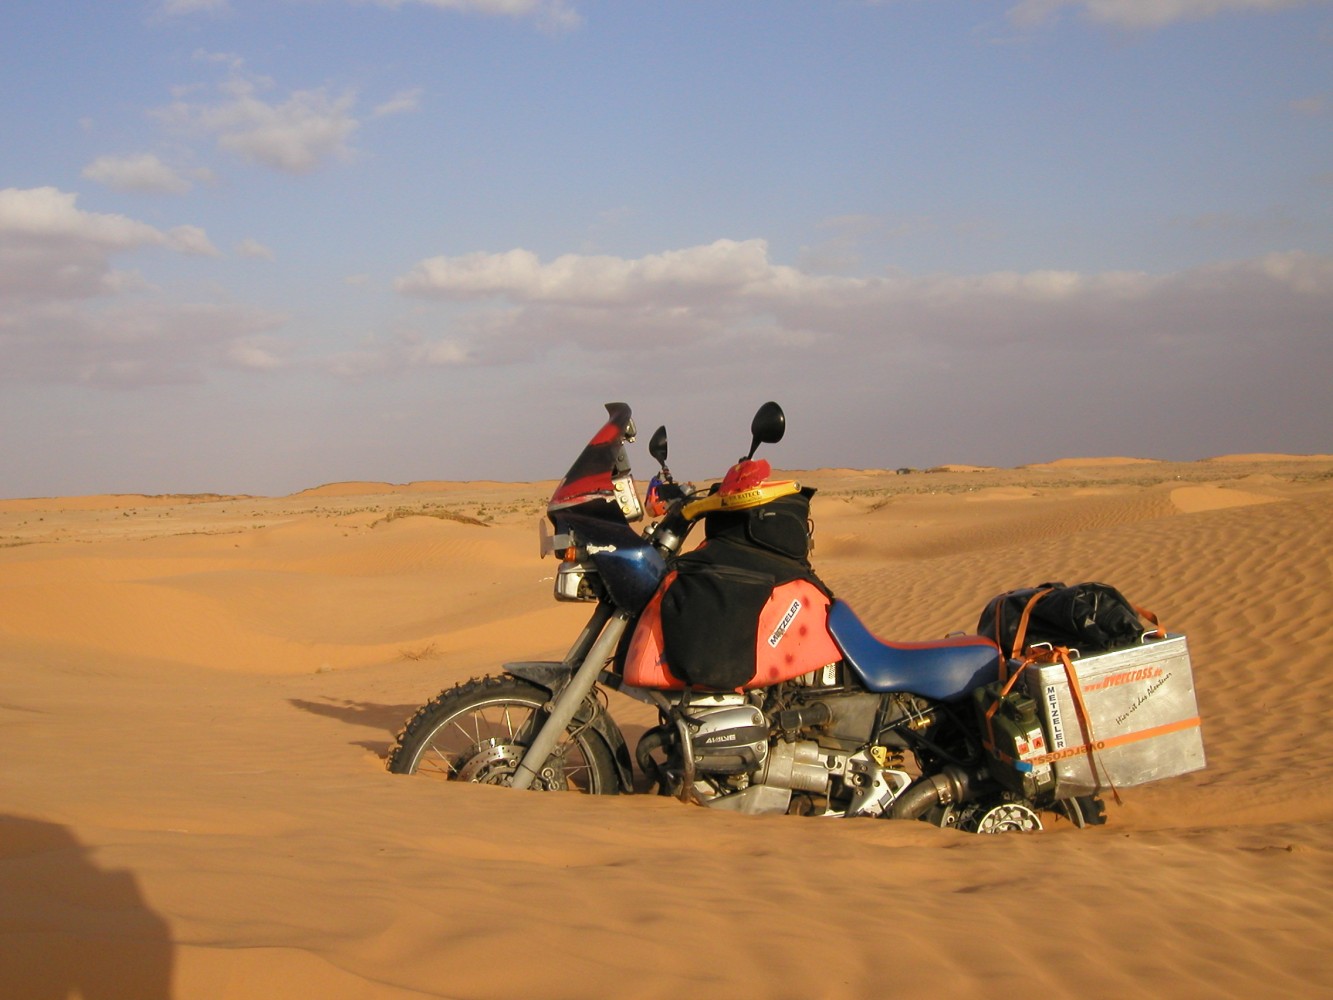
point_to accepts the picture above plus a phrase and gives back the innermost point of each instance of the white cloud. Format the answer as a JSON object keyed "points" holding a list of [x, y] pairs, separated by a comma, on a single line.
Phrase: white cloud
{"points": [[1020, 363], [191, 240], [726, 266], [727, 275], [133, 343], [400, 103], [552, 14], [141, 172], [52, 249], [1148, 13], [253, 354], [891, 369], [254, 249], [230, 59], [71, 316], [440, 353], [246, 115], [47, 213], [1301, 272], [728, 300], [295, 134], [182, 8], [405, 349]]}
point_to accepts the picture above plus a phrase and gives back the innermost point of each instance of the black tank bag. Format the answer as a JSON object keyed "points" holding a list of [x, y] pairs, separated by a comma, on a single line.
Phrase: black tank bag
{"points": [[710, 612]]}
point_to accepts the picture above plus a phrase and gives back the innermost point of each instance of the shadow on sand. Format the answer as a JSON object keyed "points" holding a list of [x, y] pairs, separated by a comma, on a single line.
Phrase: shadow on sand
{"points": [[69, 928], [388, 718]]}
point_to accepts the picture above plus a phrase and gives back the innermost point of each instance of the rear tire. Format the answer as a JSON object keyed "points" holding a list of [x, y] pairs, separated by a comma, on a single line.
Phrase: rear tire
{"points": [[480, 730], [1084, 811]]}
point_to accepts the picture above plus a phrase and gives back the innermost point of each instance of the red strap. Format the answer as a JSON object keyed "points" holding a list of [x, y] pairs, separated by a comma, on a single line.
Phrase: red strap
{"points": [[1116, 741], [1020, 634], [995, 705], [1061, 653], [1084, 718], [1145, 613]]}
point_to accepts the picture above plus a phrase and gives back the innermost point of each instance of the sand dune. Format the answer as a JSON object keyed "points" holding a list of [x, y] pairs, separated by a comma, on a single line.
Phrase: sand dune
{"points": [[197, 694], [1269, 457], [1080, 463]]}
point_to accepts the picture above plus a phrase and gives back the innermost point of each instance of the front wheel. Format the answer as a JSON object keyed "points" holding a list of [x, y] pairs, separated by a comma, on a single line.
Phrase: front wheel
{"points": [[479, 732]]}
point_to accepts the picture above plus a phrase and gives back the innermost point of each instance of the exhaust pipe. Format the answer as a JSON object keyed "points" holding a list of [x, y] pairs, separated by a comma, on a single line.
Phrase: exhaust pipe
{"points": [[951, 786]]}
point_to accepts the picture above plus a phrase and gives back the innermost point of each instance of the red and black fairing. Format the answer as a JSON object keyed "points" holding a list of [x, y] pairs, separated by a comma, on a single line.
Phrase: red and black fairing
{"points": [[590, 480], [585, 507]]}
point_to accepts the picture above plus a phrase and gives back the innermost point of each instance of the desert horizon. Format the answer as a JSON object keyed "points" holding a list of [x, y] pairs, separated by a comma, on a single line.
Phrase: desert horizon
{"points": [[304, 306], [198, 693], [361, 487]]}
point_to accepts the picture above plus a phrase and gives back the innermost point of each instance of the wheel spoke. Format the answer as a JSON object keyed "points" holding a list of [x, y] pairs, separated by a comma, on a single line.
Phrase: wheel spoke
{"points": [[478, 732], [466, 734], [444, 759], [509, 723]]}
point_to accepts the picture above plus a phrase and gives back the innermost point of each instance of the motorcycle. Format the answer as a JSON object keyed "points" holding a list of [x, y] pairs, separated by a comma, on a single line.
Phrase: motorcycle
{"points": [[772, 696]]}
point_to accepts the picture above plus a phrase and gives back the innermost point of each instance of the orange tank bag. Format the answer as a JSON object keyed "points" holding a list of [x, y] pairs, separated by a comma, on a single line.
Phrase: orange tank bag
{"points": [[791, 639]]}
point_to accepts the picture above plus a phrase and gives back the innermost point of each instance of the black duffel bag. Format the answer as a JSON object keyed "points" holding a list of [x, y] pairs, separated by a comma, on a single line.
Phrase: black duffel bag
{"points": [[1089, 617]]}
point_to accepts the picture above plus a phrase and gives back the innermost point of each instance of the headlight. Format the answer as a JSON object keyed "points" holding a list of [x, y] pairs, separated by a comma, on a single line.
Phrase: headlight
{"points": [[574, 581]]}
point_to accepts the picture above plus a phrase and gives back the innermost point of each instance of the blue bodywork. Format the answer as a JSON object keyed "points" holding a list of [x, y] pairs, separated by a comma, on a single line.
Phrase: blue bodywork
{"points": [[629, 566], [943, 671]]}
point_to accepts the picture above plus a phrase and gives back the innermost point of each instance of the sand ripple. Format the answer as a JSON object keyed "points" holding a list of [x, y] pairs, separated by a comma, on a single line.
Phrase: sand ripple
{"points": [[195, 701]]}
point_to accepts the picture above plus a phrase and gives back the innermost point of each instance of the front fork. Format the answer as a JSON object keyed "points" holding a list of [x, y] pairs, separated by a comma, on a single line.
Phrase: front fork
{"points": [[595, 645]]}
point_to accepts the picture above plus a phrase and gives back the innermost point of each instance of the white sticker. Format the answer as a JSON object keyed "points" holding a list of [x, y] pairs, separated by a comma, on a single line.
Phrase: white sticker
{"points": [[1053, 713], [785, 624]]}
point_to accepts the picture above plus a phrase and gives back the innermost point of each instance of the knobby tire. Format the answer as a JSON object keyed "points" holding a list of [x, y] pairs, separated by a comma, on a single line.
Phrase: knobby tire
{"points": [[476, 732]]}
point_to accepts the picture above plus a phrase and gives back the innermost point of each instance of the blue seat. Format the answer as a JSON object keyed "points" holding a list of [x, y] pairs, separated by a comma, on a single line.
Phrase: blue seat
{"points": [[944, 670]]}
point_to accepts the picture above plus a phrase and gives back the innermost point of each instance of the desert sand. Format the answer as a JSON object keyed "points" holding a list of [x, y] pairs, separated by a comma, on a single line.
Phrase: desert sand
{"points": [[197, 695]]}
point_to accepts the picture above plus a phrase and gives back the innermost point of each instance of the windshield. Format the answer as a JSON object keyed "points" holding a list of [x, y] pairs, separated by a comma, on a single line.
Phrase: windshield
{"points": [[591, 479]]}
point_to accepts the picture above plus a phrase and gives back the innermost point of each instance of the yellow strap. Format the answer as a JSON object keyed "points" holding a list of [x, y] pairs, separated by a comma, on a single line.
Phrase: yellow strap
{"points": [[754, 497]]}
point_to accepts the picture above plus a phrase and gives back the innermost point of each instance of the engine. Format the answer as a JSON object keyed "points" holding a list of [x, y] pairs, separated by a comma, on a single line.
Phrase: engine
{"points": [[831, 752]]}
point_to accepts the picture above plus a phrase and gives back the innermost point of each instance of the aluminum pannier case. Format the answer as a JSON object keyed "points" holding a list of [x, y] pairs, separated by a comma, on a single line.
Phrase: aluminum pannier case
{"points": [[1142, 721]]}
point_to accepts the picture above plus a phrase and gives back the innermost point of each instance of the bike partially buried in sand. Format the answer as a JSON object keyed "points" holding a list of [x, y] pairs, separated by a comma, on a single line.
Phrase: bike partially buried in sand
{"points": [[773, 697]]}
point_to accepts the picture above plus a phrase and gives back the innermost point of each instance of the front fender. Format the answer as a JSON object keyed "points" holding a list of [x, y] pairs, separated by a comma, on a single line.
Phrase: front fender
{"points": [[552, 677]]}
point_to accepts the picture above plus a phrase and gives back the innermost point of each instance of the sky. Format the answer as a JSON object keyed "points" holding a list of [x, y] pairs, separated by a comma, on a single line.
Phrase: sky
{"points": [[253, 246]]}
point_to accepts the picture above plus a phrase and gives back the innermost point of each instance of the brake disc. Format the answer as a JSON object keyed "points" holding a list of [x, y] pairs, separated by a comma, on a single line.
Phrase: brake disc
{"points": [[492, 763]]}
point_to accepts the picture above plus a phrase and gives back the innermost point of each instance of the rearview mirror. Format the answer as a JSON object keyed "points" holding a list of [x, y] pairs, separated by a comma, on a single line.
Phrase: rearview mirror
{"points": [[767, 427], [657, 446]]}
